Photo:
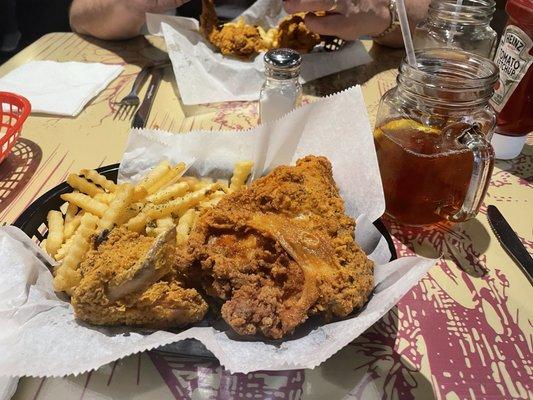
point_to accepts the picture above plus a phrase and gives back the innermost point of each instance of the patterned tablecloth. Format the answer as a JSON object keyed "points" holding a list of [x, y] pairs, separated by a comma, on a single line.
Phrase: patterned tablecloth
{"points": [[456, 335]]}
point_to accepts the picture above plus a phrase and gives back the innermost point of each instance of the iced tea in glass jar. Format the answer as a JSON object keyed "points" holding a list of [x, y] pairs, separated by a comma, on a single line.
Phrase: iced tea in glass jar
{"points": [[432, 137]]}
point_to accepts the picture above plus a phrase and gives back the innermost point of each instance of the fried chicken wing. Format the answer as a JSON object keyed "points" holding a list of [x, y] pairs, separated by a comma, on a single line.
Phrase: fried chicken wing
{"points": [[280, 251], [131, 279]]}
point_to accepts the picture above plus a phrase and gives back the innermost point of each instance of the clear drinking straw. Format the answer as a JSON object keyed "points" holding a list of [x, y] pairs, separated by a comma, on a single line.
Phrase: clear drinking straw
{"points": [[406, 33], [453, 29]]}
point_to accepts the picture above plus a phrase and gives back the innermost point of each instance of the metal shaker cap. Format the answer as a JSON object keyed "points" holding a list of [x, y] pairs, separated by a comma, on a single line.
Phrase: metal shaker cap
{"points": [[282, 63]]}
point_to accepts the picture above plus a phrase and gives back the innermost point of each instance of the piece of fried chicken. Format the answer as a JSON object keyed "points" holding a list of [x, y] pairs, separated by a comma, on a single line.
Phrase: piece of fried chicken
{"points": [[130, 280], [236, 39], [280, 251], [244, 40], [294, 34]]}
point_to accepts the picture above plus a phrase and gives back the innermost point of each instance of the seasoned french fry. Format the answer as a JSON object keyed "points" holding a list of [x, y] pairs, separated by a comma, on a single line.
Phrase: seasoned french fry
{"points": [[240, 174], [62, 252], [104, 197], [190, 180], [212, 200], [218, 194], [269, 37], [72, 225], [224, 184], [180, 169], [85, 203], [66, 279], [208, 203], [83, 233], [66, 275], [179, 205], [155, 228], [83, 185], [131, 211], [71, 212], [136, 207], [123, 198], [156, 174], [185, 224], [163, 225], [168, 193], [139, 193], [54, 239], [163, 182], [138, 223], [168, 178], [201, 183], [151, 229], [42, 245], [100, 180]]}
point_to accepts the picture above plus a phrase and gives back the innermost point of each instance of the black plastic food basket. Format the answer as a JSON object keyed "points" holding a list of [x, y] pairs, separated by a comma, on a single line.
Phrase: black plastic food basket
{"points": [[32, 220]]}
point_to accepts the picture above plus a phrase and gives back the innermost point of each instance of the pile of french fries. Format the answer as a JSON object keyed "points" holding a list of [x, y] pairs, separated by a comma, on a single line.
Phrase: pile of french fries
{"points": [[162, 200]]}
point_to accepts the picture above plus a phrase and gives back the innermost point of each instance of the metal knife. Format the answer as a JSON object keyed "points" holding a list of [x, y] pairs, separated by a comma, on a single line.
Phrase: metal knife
{"points": [[141, 116], [510, 241]]}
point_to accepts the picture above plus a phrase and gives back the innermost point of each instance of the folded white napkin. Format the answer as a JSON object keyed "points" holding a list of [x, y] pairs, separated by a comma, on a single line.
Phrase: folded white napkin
{"points": [[59, 88]]}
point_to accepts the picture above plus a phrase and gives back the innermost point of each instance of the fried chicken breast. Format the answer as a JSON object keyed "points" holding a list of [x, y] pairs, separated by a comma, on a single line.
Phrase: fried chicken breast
{"points": [[280, 251], [131, 279]]}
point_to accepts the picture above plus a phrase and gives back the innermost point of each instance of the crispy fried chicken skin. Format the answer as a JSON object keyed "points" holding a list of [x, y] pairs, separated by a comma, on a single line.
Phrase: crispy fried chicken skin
{"points": [[280, 251], [131, 279], [241, 40], [244, 40], [293, 33]]}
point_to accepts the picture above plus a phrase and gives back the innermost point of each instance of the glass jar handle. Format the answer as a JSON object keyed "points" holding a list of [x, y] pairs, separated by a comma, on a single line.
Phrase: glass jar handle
{"points": [[483, 158]]}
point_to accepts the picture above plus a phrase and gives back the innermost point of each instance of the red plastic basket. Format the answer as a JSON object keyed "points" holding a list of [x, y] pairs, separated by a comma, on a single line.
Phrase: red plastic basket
{"points": [[14, 109]]}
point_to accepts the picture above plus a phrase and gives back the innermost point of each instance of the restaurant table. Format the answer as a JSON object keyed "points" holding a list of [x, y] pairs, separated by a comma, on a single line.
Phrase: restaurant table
{"points": [[458, 334]]}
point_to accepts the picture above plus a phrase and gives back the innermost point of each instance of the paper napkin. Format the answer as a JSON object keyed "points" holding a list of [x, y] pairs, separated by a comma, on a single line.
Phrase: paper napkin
{"points": [[59, 88]]}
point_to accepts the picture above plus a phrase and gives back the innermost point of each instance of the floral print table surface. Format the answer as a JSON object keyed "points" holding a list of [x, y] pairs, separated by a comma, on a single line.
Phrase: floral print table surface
{"points": [[457, 335]]}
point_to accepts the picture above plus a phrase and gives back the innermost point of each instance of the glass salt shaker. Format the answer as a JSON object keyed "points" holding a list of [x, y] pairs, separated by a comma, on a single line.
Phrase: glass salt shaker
{"points": [[461, 24], [281, 92]]}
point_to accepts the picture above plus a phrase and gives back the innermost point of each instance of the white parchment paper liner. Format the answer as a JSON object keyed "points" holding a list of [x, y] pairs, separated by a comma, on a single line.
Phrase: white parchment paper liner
{"points": [[203, 75], [40, 337]]}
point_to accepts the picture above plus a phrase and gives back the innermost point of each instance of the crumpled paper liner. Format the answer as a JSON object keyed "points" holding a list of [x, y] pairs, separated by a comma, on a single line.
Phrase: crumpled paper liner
{"points": [[203, 75], [42, 338]]}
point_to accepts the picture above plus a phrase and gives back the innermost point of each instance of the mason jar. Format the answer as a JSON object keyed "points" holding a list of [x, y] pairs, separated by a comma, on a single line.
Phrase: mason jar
{"points": [[432, 137], [463, 25]]}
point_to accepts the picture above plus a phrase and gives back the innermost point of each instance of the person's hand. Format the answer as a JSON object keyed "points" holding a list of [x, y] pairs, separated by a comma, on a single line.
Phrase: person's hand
{"points": [[156, 6], [346, 19]]}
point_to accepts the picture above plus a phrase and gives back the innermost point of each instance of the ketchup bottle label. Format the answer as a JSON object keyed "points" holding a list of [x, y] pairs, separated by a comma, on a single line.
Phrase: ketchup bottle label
{"points": [[514, 60]]}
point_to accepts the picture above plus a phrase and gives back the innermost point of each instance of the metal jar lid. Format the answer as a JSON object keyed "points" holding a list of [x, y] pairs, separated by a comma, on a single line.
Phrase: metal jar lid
{"points": [[282, 63]]}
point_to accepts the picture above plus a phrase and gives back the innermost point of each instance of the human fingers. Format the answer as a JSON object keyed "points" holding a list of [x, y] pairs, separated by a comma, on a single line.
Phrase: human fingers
{"points": [[157, 6], [297, 6], [333, 25], [167, 5]]}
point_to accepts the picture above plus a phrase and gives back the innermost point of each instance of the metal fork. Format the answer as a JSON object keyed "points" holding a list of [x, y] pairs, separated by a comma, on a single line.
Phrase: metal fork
{"points": [[128, 105]]}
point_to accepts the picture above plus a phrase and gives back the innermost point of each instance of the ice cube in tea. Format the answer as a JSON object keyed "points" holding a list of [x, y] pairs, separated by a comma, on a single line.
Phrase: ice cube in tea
{"points": [[425, 171]]}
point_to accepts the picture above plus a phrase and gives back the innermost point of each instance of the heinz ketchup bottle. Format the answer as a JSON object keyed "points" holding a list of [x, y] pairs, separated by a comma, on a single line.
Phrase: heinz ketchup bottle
{"points": [[513, 96]]}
